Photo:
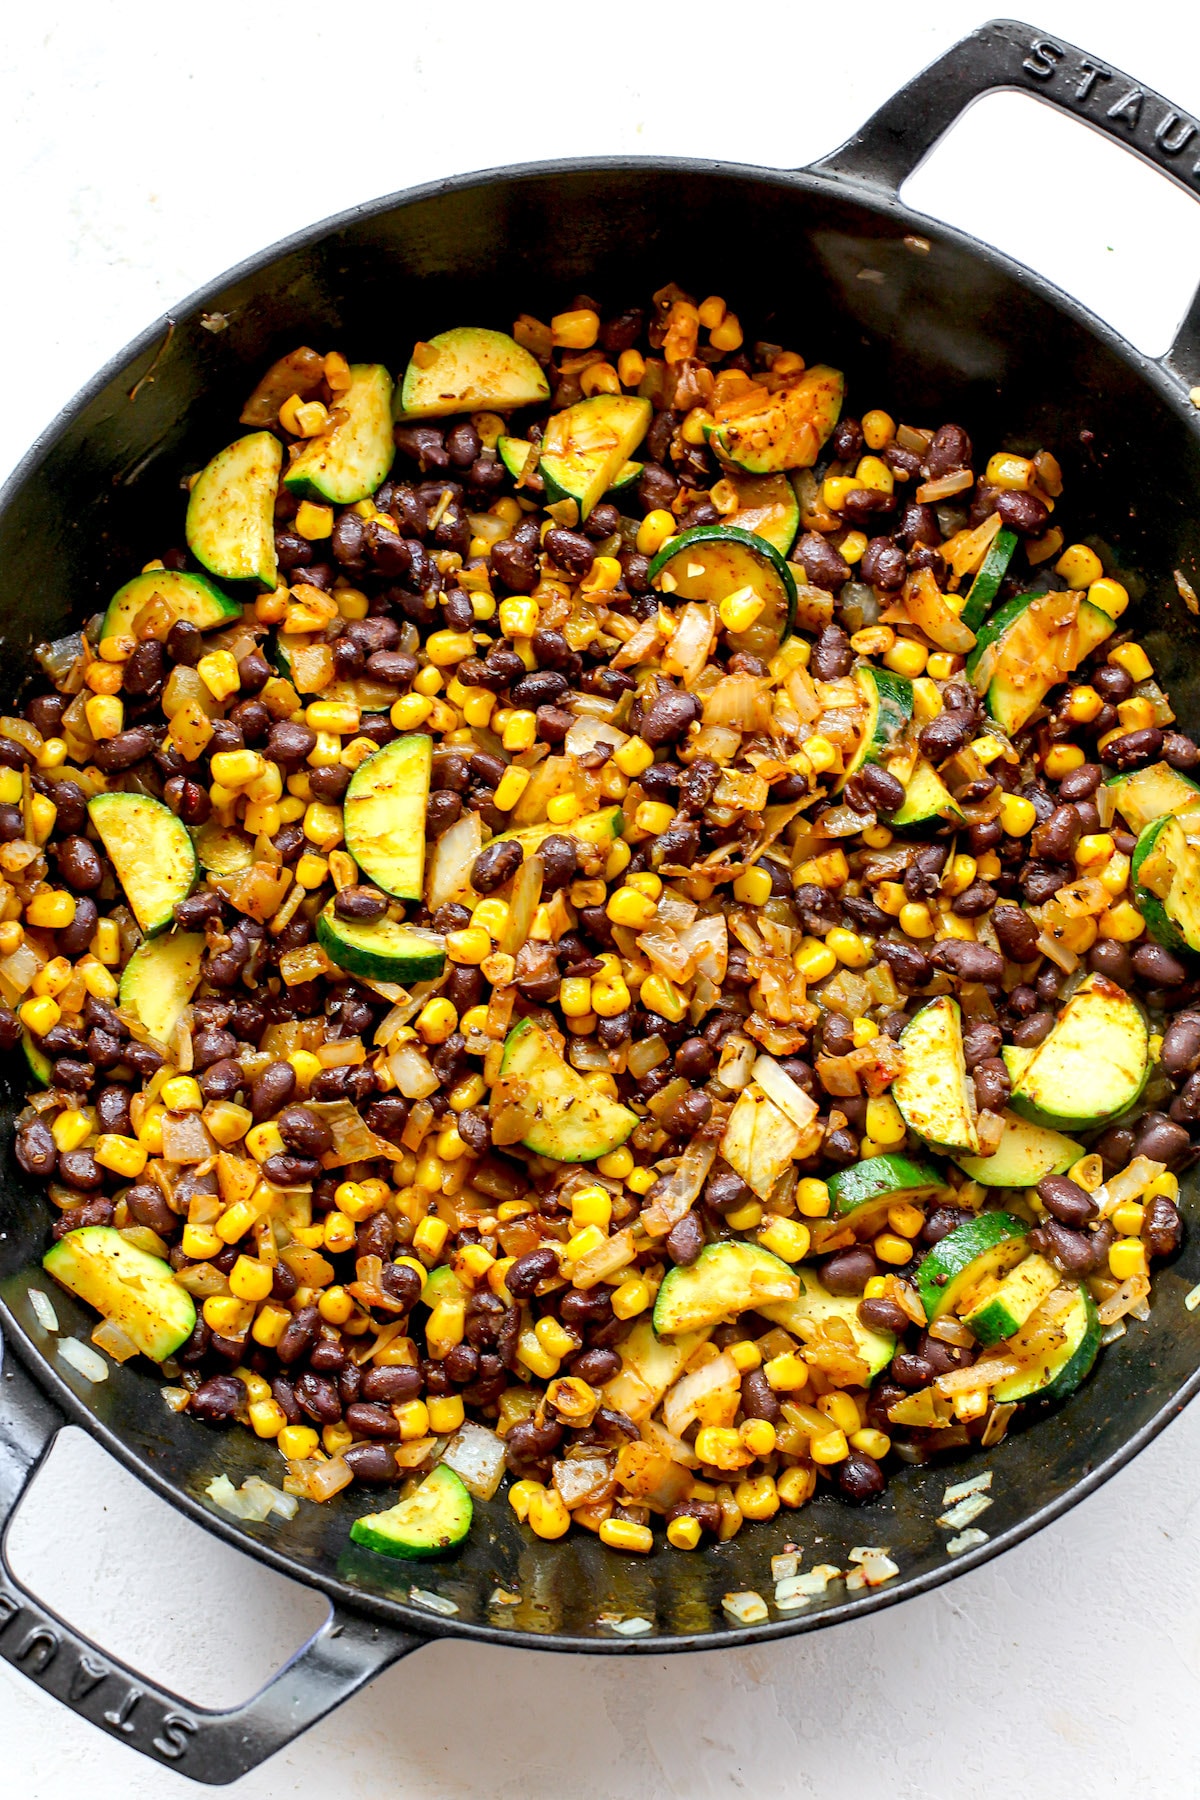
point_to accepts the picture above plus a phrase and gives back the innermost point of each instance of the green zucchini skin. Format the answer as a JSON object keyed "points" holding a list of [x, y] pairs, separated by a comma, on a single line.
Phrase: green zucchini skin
{"points": [[983, 590], [384, 812], [571, 469], [1025, 1154], [1175, 921], [126, 1284], [1150, 793], [574, 1123], [348, 462], [432, 1522], [231, 510], [725, 1281], [474, 369], [1099, 1046], [889, 700], [1002, 1314], [816, 1303], [380, 948], [931, 1090], [160, 978], [151, 851], [1014, 694], [191, 597], [990, 1243], [869, 1188], [927, 800], [1060, 1373], [730, 559]]}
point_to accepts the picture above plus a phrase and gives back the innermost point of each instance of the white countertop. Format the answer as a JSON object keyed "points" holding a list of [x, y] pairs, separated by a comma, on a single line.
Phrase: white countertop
{"points": [[129, 134]]}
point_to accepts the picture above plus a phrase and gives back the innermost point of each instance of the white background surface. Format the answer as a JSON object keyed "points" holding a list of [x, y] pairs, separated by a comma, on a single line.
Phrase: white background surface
{"points": [[146, 147]]}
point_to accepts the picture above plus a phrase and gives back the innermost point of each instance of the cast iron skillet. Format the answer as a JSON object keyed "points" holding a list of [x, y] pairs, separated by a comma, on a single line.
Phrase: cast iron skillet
{"points": [[926, 321]]}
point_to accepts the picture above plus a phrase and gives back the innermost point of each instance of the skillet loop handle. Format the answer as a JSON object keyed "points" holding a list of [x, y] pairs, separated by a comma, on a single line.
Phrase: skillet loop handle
{"points": [[342, 1656], [1006, 54]]}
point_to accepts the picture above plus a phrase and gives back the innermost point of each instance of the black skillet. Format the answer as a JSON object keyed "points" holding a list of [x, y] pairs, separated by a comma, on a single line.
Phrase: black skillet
{"points": [[926, 320]]}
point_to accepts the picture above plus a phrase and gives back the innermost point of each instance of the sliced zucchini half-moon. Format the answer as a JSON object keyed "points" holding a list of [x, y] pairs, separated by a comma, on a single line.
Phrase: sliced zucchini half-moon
{"points": [[710, 562]]}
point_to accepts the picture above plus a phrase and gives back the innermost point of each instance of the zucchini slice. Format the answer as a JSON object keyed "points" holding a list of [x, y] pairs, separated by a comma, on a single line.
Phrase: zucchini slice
{"points": [[768, 507], [350, 460], [434, 1519], [151, 852], [1025, 1153], [815, 1303], [889, 702], [926, 800], [1068, 1362], [40, 1066], [981, 595], [1148, 794], [932, 1090], [724, 1281], [193, 598], [1029, 659], [586, 446], [160, 979], [514, 454], [231, 510], [384, 813], [712, 561], [863, 1193], [1093, 1064], [987, 1246], [789, 432], [469, 369], [360, 690], [383, 948], [649, 1366], [1165, 873], [602, 827], [224, 849], [135, 1290], [573, 1123], [1001, 1312]]}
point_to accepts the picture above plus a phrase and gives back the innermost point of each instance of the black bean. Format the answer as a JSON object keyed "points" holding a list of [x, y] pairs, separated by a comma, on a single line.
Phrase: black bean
{"points": [[967, 960], [832, 656], [1066, 1201], [945, 735], [1180, 1052], [1033, 1030], [823, 565], [289, 744], [758, 1397], [1162, 1227], [79, 1169], [974, 900], [328, 781], [909, 966], [1161, 1140], [1056, 838], [79, 864], [121, 752], [992, 1083], [541, 687], [185, 643], [305, 1131], [391, 1386], [884, 790], [1016, 933], [1022, 513], [1073, 1251], [860, 1478], [1158, 966], [495, 865], [272, 1089], [918, 525], [1134, 749], [1080, 783], [724, 1190], [218, 1400], [883, 1315], [848, 1271], [950, 450], [560, 859], [1179, 751], [883, 564], [528, 1270], [571, 551], [668, 717], [1041, 881]]}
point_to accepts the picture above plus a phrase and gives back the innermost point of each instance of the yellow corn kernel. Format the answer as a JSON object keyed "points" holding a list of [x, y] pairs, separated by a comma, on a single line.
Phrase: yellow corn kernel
{"points": [[335, 1306], [865, 1032], [1095, 847], [511, 786], [796, 1486], [182, 1094], [578, 1245], [873, 472], [739, 610], [554, 1338], [446, 1413], [472, 945], [834, 489], [71, 1129], [478, 706], [871, 1442], [820, 752], [890, 1248], [298, 1442], [812, 1197], [51, 909], [786, 1373], [410, 711], [787, 1238], [624, 1534], [617, 1165], [1121, 923], [1011, 472], [878, 428], [1017, 815], [721, 1447], [1079, 566], [250, 1279], [313, 521], [1128, 1218], [436, 1021], [52, 977], [53, 754], [640, 1181], [12, 936], [575, 996], [660, 995], [631, 1298], [603, 576], [1083, 704], [609, 998], [429, 1239], [263, 1141], [590, 1206], [683, 1533], [149, 1132], [40, 1015], [927, 700], [905, 1219], [848, 947], [758, 1436], [633, 757], [916, 920], [219, 673], [235, 768], [1136, 714], [105, 715], [746, 1216], [753, 887], [727, 335], [829, 1447], [906, 657], [267, 1417], [339, 1232], [202, 1241], [123, 1155], [853, 547], [519, 618], [1133, 659], [520, 731], [628, 907], [323, 825], [466, 1093], [814, 960], [1109, 596], [1062, 759], [576, 330], [227, 1315], [1127, 1257]]}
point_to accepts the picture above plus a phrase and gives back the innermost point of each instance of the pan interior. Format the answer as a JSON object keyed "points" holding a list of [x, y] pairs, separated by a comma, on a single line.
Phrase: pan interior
{"points": [[932, 331]]}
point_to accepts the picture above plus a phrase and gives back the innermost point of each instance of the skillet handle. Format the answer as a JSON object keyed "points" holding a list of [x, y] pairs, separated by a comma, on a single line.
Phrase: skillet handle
{"points": [[1006, 54], [342, 1656]]}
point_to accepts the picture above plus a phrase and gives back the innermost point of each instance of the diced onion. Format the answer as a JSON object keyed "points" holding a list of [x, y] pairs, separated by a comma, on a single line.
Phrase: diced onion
{"points": [[746, 1608], [411, 1072], [86, 1361], [435, 1603], [450, 866], [477, 1457], [43, 1310]]}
